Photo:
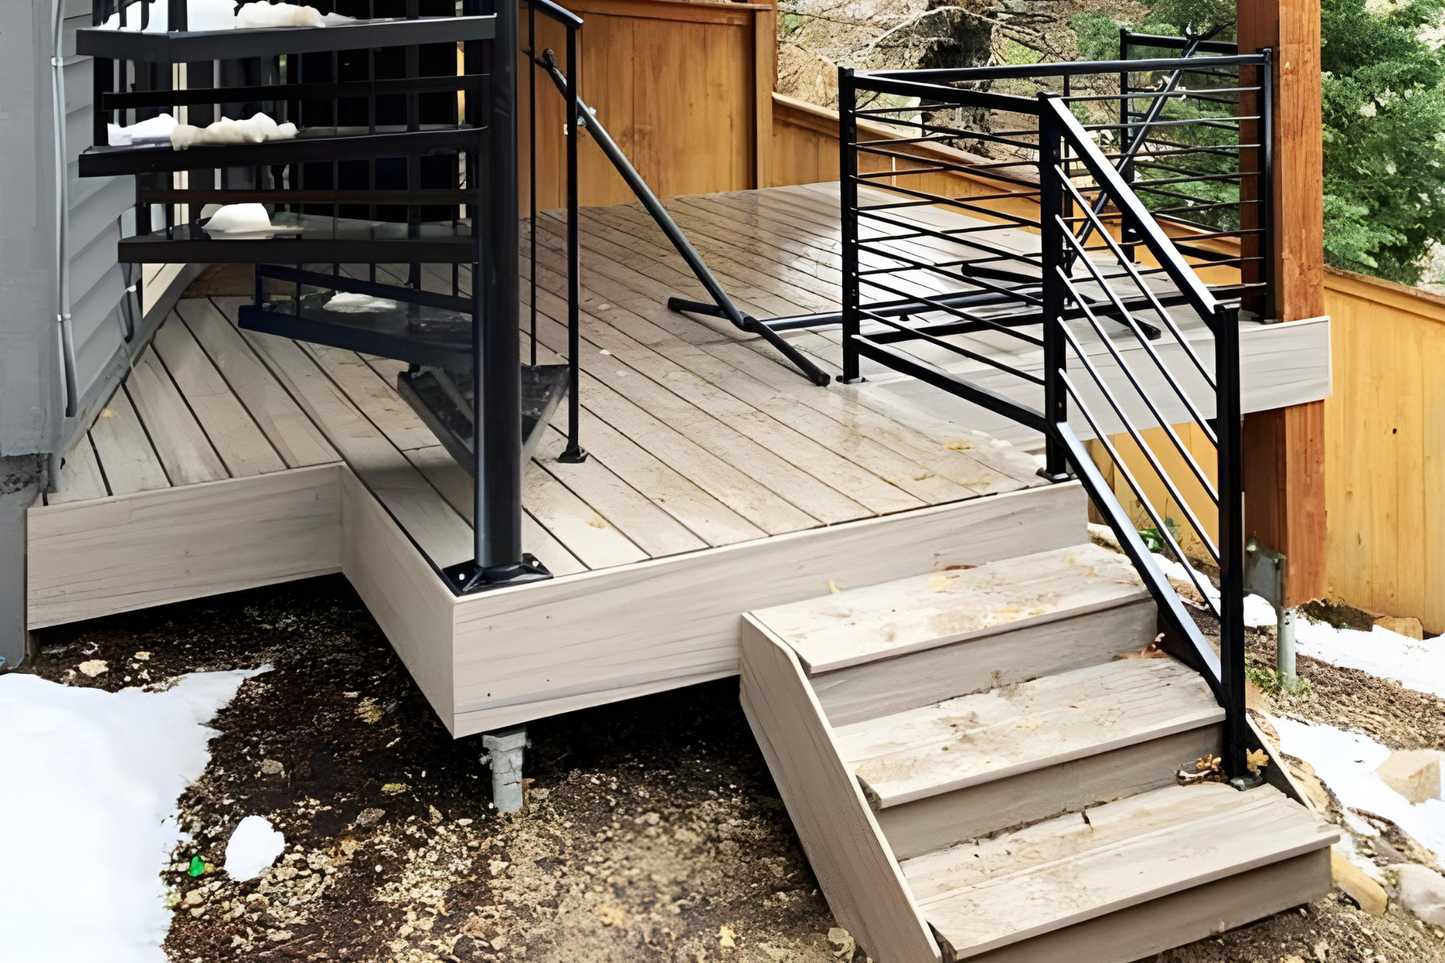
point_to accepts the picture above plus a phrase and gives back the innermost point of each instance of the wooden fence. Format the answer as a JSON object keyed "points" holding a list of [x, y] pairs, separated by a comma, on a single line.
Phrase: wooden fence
{"points": [[683, 86]]}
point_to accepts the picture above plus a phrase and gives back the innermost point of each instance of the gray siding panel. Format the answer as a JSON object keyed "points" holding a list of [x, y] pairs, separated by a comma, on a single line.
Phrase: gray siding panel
{"points": [[29, 356], [31, 376]]}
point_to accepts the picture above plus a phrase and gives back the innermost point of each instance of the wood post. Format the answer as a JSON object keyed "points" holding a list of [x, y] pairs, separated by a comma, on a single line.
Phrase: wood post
{"points": [[1284, 452]]}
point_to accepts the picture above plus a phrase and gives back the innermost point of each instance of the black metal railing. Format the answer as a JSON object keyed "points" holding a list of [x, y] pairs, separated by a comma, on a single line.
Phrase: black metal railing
{"points": [[1042, 286]]}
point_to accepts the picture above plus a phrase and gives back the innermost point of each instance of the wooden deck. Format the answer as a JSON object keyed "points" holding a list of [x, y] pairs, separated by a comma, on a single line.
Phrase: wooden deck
{"points": [[719, 481]]}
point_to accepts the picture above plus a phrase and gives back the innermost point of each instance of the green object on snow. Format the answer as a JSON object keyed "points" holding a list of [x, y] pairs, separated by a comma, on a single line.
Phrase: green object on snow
{"points": [[198, 866]]}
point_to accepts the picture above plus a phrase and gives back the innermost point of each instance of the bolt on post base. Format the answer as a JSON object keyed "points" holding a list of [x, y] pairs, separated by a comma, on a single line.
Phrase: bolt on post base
{"points": [[466, 578]]}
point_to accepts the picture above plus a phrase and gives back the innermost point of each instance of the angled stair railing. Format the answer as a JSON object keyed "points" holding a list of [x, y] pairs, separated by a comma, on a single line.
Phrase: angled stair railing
{"points": [[1063, 244], [1109, 305]]}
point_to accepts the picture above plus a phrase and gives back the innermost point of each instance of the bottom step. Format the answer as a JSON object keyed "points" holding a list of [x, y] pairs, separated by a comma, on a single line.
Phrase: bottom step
{"points": [[443, 400], [1077, 874]]}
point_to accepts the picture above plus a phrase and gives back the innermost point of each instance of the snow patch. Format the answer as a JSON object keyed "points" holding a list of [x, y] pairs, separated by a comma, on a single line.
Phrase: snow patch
{"points": [[1346, 762], [253, 847], [239, 219], [1258, 613], [348, 302], [1414, 664], [91, 780]]}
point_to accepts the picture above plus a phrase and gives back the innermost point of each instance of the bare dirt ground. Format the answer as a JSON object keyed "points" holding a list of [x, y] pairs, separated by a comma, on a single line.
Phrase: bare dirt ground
{"points": [[653, 831]]}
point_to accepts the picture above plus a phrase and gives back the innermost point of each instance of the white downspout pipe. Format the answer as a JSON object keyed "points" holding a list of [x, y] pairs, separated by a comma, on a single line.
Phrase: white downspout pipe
{"points": [[62, 213]]}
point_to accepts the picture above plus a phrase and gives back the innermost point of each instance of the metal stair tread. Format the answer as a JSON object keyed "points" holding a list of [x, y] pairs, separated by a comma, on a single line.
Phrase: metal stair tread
{"points": [[1020, 728], [862, 625], [981, 895]]}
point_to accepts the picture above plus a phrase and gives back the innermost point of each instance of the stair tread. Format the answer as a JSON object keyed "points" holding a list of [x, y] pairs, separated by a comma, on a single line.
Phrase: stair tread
{"points": [[981, 895], [1020, 728], [908, 615]]}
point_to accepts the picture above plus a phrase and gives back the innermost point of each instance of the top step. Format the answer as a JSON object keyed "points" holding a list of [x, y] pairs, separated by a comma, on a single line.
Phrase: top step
{"points": [[922, 612]]}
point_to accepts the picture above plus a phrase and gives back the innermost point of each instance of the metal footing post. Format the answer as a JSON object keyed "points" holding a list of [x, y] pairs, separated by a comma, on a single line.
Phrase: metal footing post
{"points": [[504, 750], [1284, 647]]}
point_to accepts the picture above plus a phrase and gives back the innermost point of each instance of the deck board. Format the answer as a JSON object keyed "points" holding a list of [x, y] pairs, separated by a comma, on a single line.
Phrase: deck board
{"points": [[238, 440], [294, 436], [180, 441], [126, 456]]}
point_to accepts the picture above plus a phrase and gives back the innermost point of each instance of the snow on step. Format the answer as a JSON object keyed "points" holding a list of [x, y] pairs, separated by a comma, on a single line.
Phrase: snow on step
{"points": [[981, 895], [908, 615], [1019, 728]]}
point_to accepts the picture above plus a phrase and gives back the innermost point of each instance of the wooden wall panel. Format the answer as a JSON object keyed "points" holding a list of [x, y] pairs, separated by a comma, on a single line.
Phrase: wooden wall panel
{"points": [[676, 84], [1385, 451]]}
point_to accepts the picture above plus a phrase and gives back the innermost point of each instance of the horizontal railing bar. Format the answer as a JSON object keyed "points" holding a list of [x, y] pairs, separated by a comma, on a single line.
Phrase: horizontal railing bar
{"points": [[1062, 69], [956, 349], [928, 200], [942, 236], [1153, 93], [280, 195], [979, 277], [1201, 178], [884, 84], [931, 374], [195, 96], [869, 209], [1228, 123], [934, 304], [1168, 41]]}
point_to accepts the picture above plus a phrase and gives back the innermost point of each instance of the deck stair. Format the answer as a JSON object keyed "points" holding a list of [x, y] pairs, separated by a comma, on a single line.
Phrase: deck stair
{"points": [[980, 763]]}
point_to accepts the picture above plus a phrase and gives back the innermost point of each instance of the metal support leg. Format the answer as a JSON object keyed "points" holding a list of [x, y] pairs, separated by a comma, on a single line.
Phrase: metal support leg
{"points": [[22, 478], [848, 197], [1051, 230], [1284, 648], [504, 750]]}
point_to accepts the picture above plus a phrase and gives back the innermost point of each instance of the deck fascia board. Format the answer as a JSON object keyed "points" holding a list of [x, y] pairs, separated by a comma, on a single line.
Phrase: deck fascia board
{"points": [[666, 623], [125, 552]]}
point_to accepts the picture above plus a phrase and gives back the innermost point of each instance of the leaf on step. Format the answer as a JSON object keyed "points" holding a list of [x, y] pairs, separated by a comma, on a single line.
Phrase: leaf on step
{"points": [[1208, 762], [959, 444], [1256, 759], [1029, 722], [832, 587]]}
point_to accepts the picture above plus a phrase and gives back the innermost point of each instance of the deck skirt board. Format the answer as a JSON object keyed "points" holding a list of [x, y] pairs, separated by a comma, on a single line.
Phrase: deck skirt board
{"points": [[148, 548]]}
